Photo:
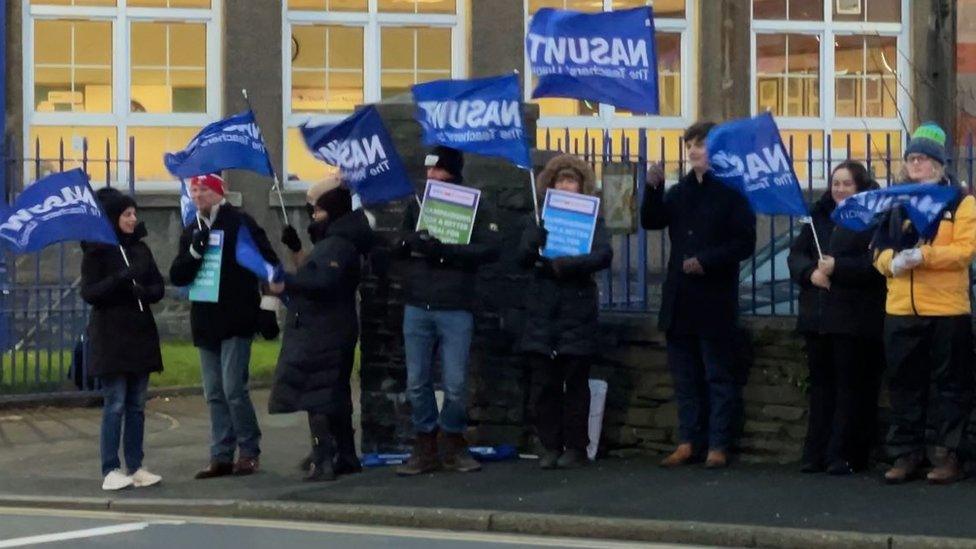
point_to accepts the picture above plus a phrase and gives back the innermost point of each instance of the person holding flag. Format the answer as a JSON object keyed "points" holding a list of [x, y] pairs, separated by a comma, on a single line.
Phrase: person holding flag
{"points": [[711, 229], [928, 331], [322, 327], [223, 326], [120, 282], [561, 329], [439, 298], [841, 317]]}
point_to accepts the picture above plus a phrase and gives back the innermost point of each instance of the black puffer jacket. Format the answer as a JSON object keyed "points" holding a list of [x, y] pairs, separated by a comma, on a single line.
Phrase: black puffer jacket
{"points": [[122, 339], [855, 303], [446, 282], [235, 313], [322, 325], [562, 303]]}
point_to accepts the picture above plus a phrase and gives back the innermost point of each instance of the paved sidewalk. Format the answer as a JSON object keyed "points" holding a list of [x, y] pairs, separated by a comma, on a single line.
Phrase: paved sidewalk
{"points": [[54, 453]]}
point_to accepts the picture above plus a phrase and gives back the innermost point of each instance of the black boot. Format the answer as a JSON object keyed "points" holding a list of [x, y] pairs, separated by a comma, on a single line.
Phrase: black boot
{"points": [[345, 461], [323, 449]]}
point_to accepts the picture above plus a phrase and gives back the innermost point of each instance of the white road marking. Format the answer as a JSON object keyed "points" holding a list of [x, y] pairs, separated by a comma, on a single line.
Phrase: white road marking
{"points": [[75, 534]]}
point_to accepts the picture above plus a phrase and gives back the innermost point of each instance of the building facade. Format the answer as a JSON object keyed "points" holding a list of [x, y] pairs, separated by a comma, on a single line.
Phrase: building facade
{"points": [[145, 75]]}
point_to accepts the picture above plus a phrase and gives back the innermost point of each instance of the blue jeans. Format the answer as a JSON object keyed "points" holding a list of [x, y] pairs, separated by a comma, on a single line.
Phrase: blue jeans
{"points": [[450, 332], [232, 419], [124, 399], [706, 390]]}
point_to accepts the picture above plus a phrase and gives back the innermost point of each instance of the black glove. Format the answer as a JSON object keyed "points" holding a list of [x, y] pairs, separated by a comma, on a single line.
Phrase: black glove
{"points": [[430, 246], [413, 240], [543, 266], [199, 241], [537, 236], [289, 237], [139, 291]]}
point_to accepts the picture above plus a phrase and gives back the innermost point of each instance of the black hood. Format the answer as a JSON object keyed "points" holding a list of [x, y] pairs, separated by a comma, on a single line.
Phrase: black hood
{"points": [[355, 228]]}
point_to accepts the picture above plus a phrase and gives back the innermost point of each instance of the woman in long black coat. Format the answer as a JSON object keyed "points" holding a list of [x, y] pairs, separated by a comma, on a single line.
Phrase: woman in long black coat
{"points": [[120, 283], [560, 334], [322, 326], [841, 316]]}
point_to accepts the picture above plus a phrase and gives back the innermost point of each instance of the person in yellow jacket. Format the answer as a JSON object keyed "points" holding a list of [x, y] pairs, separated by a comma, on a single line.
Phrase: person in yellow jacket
{"points": [[928, 334]]}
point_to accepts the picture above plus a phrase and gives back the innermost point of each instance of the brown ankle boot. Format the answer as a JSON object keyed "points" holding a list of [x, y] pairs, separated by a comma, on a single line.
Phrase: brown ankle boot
{"points": [[423, 458], [947, 469], [682, 455], [455, 455], [904, 469], [717, 459]]}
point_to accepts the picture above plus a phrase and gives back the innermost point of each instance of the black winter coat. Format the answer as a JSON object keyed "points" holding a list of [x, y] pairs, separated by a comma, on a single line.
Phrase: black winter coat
{"points": [[322, 325], [235, 313], [855, 303], [714, 223], [121, 338], [446, 282], [562, 303]]}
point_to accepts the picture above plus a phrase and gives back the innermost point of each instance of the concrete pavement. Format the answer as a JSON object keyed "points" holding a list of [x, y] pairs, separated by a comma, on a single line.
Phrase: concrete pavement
{"points": [[49, 457]]}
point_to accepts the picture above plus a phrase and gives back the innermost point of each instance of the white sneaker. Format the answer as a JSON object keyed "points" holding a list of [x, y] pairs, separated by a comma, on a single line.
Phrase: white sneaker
{"points": [[143, 478], [116, 480]]}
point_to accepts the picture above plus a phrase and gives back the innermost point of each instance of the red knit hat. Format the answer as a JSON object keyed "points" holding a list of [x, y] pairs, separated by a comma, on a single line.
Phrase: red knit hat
{"points": [[211, 180]]}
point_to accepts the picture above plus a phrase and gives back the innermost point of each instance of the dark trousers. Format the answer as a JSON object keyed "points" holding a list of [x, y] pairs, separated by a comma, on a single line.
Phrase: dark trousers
{"points": [[845, 377], [706, 389], [563, 404], [125, 403], [922, 351]]}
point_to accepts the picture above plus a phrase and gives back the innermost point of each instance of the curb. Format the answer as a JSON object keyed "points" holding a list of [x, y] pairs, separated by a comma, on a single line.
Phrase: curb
{"points": [[591, 527], [87, 399]]}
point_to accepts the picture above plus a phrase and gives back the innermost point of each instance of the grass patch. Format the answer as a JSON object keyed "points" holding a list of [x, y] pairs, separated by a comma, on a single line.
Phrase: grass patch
{"points": [[181, 363]]}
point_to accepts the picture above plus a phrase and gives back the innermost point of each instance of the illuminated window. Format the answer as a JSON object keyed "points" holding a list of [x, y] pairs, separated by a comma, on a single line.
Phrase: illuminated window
{"points": [[835, 81], [165, 90], [346, 53]]}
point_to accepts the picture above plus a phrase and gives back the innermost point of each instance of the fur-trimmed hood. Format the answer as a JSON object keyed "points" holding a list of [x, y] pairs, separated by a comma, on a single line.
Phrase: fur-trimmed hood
{"points": [[547, 178]]}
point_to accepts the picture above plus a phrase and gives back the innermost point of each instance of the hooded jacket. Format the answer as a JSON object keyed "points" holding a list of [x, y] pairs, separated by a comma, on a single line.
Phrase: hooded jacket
{"points": [[854, 305], [562, 300], [939, 286], [322, 325], [122, 339]]}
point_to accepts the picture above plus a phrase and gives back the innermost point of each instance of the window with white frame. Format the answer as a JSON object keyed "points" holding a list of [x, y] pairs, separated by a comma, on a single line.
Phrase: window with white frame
{"points": [[106, 71], [343, 53], [834, 73], [577, 126]]}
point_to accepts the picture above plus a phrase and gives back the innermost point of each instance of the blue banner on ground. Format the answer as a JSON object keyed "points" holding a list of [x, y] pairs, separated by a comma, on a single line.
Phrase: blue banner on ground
{"points": [[249, 257], [570, 219], [363, 151], [748, 155], [924, 203], [57, 208], [482, 115], [231, 143], [607, 57]]}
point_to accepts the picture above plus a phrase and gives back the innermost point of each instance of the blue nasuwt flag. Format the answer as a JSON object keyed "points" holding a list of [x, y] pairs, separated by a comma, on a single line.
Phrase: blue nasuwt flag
{"points": [[231, 143], [481, 115], [923, 202], [249, 257], [56, 208], [607, 57], [748, 155], [188, 210], [363, 151]]}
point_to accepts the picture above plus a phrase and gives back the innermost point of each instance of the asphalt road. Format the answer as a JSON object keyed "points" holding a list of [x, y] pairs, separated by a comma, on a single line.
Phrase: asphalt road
{"points": [[83, 530]]}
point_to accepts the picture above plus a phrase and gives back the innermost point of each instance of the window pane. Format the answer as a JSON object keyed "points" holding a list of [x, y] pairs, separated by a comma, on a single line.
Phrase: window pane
{"points": [[788, 74], [866, 81], [73, 2], [73, 66], [328, 5], [50, 138], [327, 69], [169, 67], [412, 55], [300, 162], [168, 3], [577, 5], [884, 171], [662, 8], [885, 11], [417, 6], [668, 75], [794, 10], [151, 144]]}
